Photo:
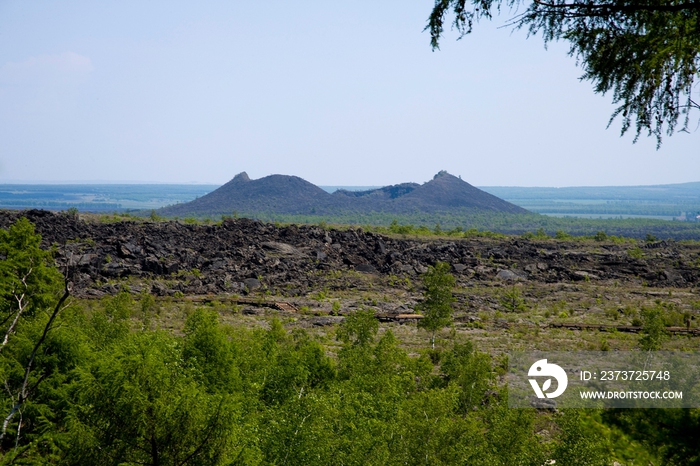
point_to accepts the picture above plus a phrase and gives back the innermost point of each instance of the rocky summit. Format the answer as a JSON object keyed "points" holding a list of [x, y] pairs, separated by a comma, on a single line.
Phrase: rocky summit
{"points": [[239, 255], [282, 194], [274, 193], [443, 193]]}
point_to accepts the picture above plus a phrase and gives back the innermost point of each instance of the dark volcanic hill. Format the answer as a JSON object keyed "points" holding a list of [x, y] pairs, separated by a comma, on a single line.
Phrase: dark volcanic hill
{"points": [[272, 194], [444, 192], [280, 194], [449, 191]]}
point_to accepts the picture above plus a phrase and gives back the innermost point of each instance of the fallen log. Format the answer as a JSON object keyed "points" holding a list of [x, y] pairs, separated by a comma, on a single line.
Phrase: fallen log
{"points": [[402, 318]]}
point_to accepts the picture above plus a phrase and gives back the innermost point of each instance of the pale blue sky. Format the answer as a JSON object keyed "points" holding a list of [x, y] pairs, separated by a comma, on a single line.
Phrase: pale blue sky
{"points": [[339, 93]]}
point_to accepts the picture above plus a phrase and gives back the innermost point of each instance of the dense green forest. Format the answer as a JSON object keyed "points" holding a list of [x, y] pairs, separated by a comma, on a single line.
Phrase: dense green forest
{"points": [[503, 223], [97, 197], [659, 200], [97, 382]]}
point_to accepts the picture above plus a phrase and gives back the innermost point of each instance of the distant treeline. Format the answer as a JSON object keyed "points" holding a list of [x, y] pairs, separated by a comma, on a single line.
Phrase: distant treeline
{"points": [[611, 208], [665, 194], [52, 205], [97, 197], [511, 224]]}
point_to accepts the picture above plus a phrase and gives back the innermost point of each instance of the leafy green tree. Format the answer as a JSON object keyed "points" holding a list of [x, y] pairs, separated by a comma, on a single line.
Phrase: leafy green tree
{"points": [[30, 294], [300, 365], [510, 438], [438, 299], [646, 52], [207, 348], [576, 446], [512, 300], [357, 333], [29, 280], [34, 434], [109, 323], [430, 432], [469, 370], [358, 329], [654, 329], [670, 433], [139, 403]]}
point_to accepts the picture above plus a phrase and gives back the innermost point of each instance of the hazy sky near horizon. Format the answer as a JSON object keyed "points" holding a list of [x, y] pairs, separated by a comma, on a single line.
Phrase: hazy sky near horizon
{"points": [[338, 93]]}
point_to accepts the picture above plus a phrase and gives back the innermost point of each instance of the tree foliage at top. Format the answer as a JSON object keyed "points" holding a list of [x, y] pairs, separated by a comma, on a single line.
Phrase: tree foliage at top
{"points": [[646, 52]]}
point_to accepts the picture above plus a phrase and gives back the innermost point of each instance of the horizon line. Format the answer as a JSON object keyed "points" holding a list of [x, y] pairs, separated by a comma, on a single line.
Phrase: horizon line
{"points": [[337, 186]]}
